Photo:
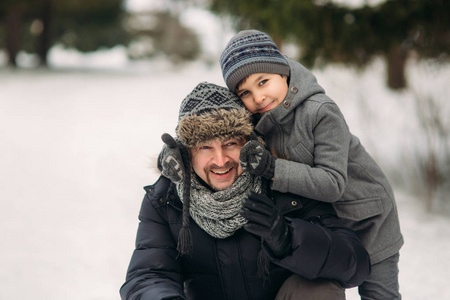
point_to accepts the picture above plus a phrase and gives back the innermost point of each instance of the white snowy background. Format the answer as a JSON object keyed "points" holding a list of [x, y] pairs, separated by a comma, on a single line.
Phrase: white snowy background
{"points": [[79, 141]]}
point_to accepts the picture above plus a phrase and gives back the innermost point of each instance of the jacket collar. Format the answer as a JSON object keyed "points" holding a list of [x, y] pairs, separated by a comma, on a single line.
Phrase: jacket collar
{"points": [[302, 85]]}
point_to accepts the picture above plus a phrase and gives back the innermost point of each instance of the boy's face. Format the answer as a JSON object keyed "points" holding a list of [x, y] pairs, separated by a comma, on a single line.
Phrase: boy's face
{"points": [[217, 162], [262, 92]]}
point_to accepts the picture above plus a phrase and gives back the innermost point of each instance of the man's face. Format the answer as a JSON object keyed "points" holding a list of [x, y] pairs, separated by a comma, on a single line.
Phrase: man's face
{"points": [[217, 162], [262, 92]]}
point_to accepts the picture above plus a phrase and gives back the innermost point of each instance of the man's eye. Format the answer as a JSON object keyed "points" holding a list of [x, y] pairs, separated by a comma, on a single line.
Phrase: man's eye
{"points": [[263, 82], [231, 144]]}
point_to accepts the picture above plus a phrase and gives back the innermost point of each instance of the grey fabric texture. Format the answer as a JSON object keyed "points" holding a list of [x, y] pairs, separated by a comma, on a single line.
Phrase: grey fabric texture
{"points": [[217, 212]]}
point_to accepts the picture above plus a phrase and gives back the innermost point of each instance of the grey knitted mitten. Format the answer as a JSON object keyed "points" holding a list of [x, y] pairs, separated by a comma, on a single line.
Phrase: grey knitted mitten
{"points": [[256, 160], [170, 162]]}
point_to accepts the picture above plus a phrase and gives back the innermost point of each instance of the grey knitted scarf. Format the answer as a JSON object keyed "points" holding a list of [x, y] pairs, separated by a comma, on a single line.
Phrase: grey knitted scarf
{"points": [[217, 212]]}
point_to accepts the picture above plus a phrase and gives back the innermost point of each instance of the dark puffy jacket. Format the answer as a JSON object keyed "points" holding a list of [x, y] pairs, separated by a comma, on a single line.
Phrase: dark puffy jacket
{"points": [[226, 269]]}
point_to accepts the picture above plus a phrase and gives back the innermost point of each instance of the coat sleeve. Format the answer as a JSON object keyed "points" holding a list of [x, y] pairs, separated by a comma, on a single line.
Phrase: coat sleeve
{"points": [[153, 272], [325, 179], [326, 249]]}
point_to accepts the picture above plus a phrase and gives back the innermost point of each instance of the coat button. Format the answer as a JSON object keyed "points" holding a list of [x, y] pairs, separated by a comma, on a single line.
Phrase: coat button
{"points": [[294, 203], [294, 90], [161, 200], [286, 104]]}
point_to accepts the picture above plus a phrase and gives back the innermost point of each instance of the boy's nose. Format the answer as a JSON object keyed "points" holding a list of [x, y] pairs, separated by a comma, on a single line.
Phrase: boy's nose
{"points": [[258, 98]]}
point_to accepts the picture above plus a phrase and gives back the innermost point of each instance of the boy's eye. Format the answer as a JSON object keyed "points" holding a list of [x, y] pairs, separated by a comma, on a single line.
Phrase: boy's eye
{"points": [[262, 82], [243, 94]]}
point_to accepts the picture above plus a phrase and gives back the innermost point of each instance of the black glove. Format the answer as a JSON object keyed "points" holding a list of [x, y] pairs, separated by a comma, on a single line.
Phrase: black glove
{"points": [[256, 160], [265, 220], [170, 162]]}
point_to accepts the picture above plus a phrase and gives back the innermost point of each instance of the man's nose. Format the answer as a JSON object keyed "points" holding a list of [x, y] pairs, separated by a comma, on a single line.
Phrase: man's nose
{"points": [[219, 157]]}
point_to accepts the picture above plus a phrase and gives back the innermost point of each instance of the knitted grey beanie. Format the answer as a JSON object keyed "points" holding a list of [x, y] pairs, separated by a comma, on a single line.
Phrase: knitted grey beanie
{"points": [[249, 52]]}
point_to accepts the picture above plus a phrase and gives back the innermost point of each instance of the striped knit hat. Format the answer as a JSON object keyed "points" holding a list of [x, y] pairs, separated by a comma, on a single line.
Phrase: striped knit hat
{"points": [[249, 52]]}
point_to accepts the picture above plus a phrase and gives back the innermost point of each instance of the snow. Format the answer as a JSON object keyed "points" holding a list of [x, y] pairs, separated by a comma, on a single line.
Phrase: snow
{"points": [[78, 143]]}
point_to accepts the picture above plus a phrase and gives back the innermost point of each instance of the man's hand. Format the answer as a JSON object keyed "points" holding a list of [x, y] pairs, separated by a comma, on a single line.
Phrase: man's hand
{"points": [[265, 220], [170, 162], [256, 160]]}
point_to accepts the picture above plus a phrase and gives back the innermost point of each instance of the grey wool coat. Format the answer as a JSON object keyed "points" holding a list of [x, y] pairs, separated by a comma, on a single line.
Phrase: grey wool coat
{"points": [[322, 160]]}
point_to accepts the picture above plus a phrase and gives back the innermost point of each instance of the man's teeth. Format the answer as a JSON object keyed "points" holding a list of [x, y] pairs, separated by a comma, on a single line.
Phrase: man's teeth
{"points": [[220, 172]]}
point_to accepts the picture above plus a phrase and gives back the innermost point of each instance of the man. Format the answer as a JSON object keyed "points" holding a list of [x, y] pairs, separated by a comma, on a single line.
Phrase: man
{"points": [[210, 231]]}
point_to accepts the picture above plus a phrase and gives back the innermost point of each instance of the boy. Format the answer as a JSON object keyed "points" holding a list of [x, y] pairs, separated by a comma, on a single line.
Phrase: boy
{"points": [[312, 152]]}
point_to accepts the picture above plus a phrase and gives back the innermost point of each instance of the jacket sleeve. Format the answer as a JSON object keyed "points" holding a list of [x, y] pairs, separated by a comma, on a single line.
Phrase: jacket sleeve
{"points": [[154, 272], [325, 177], [326, 249]]}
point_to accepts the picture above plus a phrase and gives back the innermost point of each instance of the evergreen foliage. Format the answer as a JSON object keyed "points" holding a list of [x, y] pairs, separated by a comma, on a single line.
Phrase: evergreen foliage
{"points": [[36, 25], [328, 32]]}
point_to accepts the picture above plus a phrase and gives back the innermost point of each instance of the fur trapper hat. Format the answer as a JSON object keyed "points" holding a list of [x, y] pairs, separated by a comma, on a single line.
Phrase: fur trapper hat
{"points": [[212, 112]]}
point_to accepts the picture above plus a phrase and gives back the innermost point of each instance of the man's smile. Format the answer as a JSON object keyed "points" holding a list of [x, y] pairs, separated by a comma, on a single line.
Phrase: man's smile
{"points": [[221, 172]]}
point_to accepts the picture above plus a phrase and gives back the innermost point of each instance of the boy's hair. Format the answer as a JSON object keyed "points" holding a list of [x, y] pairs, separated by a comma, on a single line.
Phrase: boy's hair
{"points": [[249, 52], [241, 82]]}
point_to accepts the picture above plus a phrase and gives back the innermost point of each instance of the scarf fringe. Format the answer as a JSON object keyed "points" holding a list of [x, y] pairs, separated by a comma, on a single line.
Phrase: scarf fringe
{"points": [[263, 263], [185, 245]]}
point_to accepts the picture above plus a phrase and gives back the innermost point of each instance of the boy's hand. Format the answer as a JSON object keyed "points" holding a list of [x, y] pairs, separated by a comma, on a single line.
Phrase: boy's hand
{"points": [[265, 221], [170, 162], [256, 160]]}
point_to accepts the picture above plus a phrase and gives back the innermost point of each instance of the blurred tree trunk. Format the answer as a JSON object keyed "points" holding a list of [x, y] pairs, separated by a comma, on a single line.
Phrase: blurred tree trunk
{"points": [[396, 60], [45, 38], [278, 41], [13, 22]]}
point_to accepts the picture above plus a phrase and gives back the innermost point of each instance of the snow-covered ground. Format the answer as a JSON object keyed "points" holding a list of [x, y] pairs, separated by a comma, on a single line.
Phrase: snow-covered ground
{"points": [[78, 145]]}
